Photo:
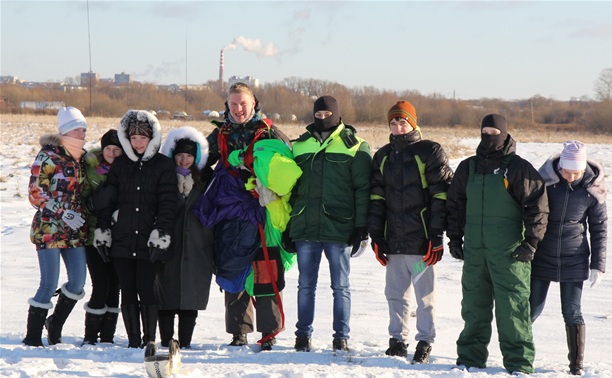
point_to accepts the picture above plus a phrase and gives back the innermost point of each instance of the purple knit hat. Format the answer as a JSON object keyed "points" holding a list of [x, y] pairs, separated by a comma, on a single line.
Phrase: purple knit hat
{"points": [[573, 156]]}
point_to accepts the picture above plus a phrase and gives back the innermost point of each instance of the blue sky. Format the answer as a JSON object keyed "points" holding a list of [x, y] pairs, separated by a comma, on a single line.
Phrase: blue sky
{"points": [[501, 49]]}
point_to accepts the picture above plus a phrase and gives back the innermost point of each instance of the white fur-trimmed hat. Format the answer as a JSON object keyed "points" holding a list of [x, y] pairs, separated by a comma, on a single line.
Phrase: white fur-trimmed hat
{"points": [[573, 156], [70, 118]]}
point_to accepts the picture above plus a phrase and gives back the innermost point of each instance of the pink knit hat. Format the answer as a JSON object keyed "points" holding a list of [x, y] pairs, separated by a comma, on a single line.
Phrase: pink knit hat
{"points": [[573, 156]]}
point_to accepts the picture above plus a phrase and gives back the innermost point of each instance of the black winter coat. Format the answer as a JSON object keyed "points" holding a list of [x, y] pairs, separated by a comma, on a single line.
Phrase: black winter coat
{"points": [[525, 185], [400, 209], [146, 200], [564, 254], [183, 281]]}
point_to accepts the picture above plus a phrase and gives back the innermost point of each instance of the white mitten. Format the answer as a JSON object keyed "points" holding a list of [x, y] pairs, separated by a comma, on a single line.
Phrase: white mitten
{"points": [[265, 195], [595, 277], [185, 184]]}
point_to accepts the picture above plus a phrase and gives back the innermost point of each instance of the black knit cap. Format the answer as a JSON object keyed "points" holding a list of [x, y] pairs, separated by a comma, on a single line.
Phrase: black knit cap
{"points": [[110, 138], [185, 146], [326, 103]]}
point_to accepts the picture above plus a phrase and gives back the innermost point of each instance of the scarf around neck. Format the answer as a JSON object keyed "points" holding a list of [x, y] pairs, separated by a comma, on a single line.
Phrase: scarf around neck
{"points": [[74, 146]]}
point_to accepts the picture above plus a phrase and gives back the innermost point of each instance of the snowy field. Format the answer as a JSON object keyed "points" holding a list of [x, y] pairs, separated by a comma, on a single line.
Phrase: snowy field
{"points": [[211, 357]]}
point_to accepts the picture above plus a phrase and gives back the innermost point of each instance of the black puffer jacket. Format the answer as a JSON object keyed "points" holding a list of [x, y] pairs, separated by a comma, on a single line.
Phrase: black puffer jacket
{"points": [[564, 254], [146, 194], [525, 185], [400, 209]]}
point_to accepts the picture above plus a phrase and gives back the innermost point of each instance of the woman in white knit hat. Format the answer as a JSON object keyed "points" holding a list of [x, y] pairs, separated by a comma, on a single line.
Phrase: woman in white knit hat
{"points": [[58, 228], [576, 192]]}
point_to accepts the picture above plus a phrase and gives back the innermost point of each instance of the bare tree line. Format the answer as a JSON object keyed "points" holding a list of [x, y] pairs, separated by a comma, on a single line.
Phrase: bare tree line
{"points": [[294, 96]]}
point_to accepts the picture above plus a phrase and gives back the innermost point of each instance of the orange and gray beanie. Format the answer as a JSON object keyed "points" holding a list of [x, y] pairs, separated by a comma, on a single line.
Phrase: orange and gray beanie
{"points": [[403, 110]]}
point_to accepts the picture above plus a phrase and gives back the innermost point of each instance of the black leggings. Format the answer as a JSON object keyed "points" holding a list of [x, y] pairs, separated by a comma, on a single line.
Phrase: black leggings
{"points": [[136, 279], [104, 281]]}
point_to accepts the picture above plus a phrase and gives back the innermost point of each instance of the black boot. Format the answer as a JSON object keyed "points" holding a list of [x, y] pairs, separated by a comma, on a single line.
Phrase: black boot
{"points": [[166, 326], [149, 322], [109, 325], [63, 308], [187, 322], [131, 319], [93, 324], [36, 322], [575, 344]]}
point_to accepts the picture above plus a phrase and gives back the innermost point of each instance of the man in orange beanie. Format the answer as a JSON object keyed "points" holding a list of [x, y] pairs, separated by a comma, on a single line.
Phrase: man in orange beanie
{"points": [[409, 175]]}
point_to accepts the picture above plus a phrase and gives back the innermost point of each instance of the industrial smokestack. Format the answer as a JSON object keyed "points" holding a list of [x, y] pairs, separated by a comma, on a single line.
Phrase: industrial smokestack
{"points": [[221, 67]]}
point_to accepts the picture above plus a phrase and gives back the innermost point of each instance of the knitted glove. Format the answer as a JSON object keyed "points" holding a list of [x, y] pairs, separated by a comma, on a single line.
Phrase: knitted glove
{"points": [[525, 252], [381, 249], [158, 243], [102, 242], [455, 247], [435, 249], [73, 219], [359, 240], [596, 276]]}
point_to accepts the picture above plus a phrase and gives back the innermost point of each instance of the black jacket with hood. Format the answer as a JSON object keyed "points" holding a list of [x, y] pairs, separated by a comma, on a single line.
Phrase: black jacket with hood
{"points": [[565, 252], [146, 193]]}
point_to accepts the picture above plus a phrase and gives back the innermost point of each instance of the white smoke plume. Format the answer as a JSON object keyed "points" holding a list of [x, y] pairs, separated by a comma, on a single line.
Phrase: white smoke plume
{"points": [[254, 46]]}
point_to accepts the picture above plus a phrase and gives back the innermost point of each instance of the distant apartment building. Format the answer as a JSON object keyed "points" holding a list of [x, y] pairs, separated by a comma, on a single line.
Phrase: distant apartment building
{"points": [[42, 105], [248, 80], [87, 76], [123, 78], [9, 80]]}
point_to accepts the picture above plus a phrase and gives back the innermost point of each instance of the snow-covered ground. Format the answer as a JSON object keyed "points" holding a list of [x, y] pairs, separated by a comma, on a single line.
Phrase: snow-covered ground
{"points": [[211, 357]]}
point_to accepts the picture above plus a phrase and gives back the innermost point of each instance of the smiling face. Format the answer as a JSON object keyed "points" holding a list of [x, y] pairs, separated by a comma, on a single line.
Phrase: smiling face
{"points": [[111, 152], [139, 143], [184, 160], [241, 106]]}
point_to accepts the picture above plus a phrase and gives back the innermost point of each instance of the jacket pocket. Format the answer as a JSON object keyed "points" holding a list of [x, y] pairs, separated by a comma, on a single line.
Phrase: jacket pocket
{"points": [[338, 212]]}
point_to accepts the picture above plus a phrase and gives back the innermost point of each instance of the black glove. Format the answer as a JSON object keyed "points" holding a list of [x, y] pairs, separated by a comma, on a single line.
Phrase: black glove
{"points": [[381, 249], [359, 241], [455, 247], [158, 243], [525, 252], [435, 249], [288, 243]]}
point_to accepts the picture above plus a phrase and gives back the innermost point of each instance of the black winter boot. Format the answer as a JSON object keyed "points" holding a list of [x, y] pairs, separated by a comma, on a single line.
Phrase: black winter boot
{"points": [[109, 325], [54, 323], [421, 354], [36, 322], [187, 322], [165, 319], [149, 322], [575, 344], [397, 348], [93, 324], [131, 319]]}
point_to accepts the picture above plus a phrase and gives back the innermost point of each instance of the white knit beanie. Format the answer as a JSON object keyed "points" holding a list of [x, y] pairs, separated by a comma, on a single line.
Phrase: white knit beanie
{"points": [[573, 156], [70, 118]]}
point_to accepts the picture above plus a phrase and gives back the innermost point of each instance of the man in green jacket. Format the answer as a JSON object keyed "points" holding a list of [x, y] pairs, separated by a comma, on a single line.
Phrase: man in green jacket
{"points": [[329, 214]]}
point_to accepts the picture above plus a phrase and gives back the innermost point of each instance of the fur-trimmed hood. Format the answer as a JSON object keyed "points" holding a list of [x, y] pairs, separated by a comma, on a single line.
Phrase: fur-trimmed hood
{"points": [[593, 180], [124, 138], [94, 157], [50, 139], [187, 132]]}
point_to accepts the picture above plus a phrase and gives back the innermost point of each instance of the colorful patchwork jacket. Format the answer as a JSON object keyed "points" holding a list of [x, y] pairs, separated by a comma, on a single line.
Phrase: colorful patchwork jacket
{"points": [[55, 185]]}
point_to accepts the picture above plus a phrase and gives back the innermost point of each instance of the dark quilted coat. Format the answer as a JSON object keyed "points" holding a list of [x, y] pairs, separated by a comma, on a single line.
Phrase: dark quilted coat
{"points": [[566, 253]]}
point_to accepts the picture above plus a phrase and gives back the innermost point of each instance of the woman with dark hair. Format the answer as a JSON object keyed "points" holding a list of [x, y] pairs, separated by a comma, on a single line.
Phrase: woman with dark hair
{"points": [[102, 309], [136, 230], [183, 281]]}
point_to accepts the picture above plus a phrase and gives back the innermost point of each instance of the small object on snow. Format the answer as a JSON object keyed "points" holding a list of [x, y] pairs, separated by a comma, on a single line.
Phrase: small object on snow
{"points": [[162, 365]]}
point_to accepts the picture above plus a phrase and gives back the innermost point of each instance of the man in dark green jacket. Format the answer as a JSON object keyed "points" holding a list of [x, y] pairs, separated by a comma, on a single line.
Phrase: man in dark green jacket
{"points": [[329, 214], [497, 204]]}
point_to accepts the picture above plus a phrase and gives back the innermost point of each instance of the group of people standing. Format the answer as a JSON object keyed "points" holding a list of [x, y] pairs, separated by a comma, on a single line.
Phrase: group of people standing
{"points": [[245, 204]]}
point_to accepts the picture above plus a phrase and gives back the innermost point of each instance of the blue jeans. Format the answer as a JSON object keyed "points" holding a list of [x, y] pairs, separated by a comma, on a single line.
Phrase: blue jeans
{"points": [[309, 259], [571, 296], [49, 264]]}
